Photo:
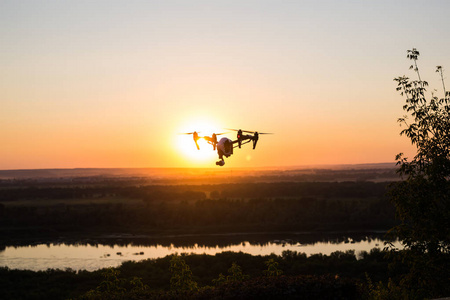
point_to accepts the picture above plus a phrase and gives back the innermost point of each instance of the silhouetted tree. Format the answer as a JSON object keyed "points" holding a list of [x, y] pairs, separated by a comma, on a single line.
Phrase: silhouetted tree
{"points": [[181, 280], [422, 198], [236, 274], [272, 268]]}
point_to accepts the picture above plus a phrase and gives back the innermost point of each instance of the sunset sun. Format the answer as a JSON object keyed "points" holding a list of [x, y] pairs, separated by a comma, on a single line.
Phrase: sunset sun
{"points": [[186, 145]]}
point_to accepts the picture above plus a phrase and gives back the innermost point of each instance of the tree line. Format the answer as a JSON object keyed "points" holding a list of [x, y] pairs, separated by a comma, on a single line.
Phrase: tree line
{"points": [[187, 209], [196, 192]]}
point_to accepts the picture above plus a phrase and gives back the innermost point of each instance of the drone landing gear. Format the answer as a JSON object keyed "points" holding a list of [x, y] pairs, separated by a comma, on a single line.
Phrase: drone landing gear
{"points": [[220, 163]]}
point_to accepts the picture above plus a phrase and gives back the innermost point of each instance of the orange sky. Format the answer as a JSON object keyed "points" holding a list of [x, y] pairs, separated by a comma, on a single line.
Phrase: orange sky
{"points": [[111, 84]]}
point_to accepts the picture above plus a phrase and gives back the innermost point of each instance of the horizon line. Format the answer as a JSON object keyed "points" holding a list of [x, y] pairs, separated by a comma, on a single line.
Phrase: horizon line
{"points": [[306, 166]]}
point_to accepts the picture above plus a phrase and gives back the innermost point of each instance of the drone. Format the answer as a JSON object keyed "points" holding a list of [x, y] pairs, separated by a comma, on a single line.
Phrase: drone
{"points": [[225, 146]]}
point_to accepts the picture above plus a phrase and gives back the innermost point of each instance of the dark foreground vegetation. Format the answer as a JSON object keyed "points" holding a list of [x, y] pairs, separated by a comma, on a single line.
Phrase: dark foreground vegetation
{"points": [[223, 276]]}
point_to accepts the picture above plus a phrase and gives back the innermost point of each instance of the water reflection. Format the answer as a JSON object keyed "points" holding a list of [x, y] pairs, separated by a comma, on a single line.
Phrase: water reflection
{"points": [[212, 240], [107, 251]]}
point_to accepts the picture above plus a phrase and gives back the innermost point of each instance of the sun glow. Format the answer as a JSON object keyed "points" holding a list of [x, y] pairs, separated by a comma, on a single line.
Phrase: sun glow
{"points": [[186, 145]]}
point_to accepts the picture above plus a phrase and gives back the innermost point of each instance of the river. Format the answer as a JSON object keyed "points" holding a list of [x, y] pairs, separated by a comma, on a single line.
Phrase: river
{"points": [[94, 254]]}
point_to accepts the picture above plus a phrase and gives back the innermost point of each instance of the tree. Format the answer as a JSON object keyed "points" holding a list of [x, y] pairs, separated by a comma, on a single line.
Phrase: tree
{"points": [[181, 279], [112, 287], [236, 274], [422, 198], [272, 268]]}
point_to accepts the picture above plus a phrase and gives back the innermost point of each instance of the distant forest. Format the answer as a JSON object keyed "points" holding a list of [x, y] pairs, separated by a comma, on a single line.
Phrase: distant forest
{"points": [[44, 208], [369, 172]]}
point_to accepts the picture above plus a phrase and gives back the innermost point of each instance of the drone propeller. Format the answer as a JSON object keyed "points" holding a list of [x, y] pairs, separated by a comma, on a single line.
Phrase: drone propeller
{"points": [[187, 133], [239, 130], [248, 131], [194, 136]]}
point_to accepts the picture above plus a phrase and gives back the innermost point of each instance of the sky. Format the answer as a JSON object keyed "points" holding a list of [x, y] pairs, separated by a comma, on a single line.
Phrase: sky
{"points": [[110, 84]]}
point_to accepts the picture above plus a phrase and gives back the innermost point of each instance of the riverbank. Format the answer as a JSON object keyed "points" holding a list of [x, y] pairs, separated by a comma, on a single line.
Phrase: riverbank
{"points": [[15, 238]]}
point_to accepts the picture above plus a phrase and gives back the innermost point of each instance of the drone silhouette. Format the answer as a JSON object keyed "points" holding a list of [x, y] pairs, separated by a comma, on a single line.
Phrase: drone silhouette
{"points": [[225, 145]]}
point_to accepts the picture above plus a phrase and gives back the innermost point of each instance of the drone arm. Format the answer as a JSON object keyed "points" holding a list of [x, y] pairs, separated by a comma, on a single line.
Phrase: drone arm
{"points": [[244, 139], [243, 143]]}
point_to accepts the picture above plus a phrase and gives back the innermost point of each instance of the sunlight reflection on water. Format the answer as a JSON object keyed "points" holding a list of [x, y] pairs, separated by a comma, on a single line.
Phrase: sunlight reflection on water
{"points": [[94, 257]]}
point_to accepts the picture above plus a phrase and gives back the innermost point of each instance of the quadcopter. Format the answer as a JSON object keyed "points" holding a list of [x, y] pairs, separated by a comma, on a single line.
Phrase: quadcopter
{"points": [[225, 146]]}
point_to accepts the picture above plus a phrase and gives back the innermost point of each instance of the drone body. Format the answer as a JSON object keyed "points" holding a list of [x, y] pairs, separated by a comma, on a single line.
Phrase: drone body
{"points": [[225, 146]]}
